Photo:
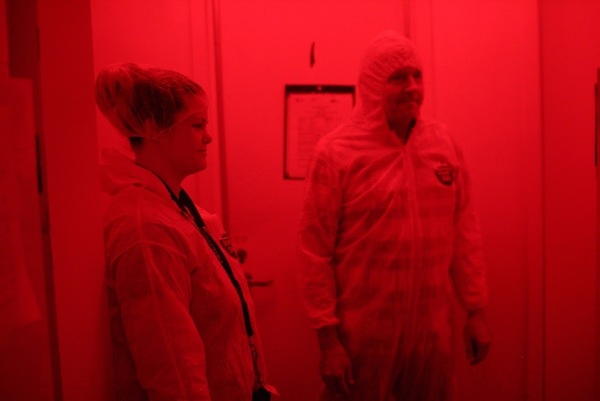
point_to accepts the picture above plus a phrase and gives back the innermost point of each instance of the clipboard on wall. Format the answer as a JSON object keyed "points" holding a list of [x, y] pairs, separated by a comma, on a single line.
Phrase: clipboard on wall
{"points": [[311, 111]]}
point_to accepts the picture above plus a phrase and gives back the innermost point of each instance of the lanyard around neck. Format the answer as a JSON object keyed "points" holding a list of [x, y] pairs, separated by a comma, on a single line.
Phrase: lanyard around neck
{"points": [[187, 206]]}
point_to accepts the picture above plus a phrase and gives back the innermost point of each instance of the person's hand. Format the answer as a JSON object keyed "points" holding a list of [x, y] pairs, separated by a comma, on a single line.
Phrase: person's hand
{"points": [[477, 335], [336, 369]]}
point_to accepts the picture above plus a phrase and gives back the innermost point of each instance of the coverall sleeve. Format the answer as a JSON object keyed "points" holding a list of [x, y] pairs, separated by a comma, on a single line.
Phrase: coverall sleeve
{"points": [[468, 265], [153, 288], [317, 238]]}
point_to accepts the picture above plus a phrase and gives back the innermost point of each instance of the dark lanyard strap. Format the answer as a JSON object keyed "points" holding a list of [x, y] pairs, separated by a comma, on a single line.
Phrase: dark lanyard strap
{"points": [[186, 204]]}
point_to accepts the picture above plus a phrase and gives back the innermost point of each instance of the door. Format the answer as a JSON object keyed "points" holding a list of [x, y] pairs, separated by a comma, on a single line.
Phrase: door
{"points": [[266, 45], [26, 356], [25, 343]]}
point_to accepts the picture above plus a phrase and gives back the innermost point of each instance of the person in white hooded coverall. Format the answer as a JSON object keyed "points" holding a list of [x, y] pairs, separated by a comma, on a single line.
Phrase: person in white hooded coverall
{"points": [[387, 234], [182, 321]]}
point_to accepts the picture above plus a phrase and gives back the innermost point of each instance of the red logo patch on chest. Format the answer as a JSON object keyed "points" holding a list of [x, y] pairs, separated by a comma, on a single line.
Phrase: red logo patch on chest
{"points": [[445, 174]]}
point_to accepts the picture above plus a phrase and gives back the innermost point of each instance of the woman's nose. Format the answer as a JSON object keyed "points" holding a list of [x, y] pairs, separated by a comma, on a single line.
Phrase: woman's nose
{"points": [[207, 138]]}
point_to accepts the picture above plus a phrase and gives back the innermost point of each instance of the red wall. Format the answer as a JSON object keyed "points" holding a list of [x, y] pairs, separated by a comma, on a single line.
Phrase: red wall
{"points": [[570, 58]]}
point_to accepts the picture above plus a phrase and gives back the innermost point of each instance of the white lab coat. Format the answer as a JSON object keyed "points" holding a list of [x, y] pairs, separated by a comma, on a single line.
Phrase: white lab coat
{"points": [[176, 321]]}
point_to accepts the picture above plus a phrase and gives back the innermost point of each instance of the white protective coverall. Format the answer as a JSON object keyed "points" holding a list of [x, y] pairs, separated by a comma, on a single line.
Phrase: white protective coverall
{"points": [[176, 321], [387, 230]]}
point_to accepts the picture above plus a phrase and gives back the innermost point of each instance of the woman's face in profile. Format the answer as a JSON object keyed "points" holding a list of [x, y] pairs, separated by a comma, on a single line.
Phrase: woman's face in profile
{"points": [[187, 143]]}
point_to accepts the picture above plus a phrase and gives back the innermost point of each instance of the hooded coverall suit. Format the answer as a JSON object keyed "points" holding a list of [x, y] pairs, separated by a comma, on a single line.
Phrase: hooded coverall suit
{"points": [[387, 234]]}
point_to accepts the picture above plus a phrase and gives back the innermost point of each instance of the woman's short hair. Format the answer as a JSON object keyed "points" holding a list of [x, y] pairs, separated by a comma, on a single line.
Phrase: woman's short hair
{"points": [[143, 101]]}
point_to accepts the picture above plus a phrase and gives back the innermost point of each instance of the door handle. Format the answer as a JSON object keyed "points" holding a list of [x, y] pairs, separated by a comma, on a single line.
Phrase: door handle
{"points": [[242, 254]]}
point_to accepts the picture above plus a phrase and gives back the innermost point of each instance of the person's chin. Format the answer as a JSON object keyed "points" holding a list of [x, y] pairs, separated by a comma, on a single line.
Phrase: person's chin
{"points": [[198, 167], [414, 112]]}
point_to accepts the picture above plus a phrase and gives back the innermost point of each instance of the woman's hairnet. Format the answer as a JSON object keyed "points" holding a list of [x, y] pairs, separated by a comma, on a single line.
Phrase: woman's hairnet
{"points": [[386, 53], [144, 101]]}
